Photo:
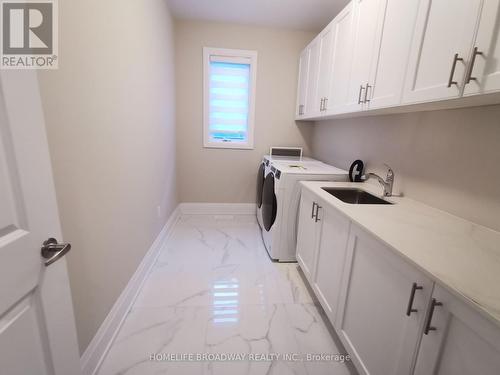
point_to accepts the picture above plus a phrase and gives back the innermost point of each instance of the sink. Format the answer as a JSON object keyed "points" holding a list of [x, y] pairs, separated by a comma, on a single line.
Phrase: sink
{"points": [[355, 196]]}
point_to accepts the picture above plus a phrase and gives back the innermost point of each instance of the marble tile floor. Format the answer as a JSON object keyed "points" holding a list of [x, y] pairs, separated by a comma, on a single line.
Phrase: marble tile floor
{"points": [[214, 294]]}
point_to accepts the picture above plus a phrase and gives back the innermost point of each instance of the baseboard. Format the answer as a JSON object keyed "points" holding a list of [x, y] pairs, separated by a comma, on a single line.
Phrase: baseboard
{"points": [[100, 344], [218, 208]]}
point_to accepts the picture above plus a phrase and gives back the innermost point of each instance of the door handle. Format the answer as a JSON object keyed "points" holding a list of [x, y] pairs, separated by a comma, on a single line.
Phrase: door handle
{"points": [[361, 88], [471, 67], [428, 326], [312, 211], [316, 219], [453, 67], [52, 250], [366, 93], [409, 308]]}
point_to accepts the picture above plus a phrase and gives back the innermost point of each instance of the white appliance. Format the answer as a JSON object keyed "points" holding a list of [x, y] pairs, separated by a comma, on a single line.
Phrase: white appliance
{"points": [[276, 154], [265, 168], [280, 202]]}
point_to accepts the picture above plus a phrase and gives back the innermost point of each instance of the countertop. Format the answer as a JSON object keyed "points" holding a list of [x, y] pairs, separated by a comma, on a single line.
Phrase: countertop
{"points": [[460, 255]]}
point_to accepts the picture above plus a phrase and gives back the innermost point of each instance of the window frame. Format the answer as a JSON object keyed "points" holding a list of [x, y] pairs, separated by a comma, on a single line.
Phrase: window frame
{"points": [[229, 53]]}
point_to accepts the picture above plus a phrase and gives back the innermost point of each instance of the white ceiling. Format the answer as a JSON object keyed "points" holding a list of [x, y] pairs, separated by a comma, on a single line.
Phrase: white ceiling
{"points": [[310, 15]]}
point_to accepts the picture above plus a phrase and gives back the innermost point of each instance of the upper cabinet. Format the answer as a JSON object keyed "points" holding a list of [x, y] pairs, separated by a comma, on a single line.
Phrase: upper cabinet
{"points": [[367, 14], [326, 38], [483, 75], [312, 107], [388, 53], [340, 68], [440, 49], [394, 35], [302, 85]]}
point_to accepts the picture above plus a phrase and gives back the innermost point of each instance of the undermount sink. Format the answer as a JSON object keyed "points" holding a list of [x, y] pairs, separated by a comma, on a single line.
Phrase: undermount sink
{"points": [[355, 196]]}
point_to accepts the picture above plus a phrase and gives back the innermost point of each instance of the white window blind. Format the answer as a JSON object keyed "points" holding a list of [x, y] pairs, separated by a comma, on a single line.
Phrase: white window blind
{"points": [[229, 96], [229, 101]]}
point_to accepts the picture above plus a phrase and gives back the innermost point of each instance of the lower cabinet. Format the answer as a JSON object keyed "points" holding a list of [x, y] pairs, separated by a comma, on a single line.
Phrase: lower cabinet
{"points": [[307, 233], [457, 339], [321, 247], [383, 305], [391, 318], [330, 260]]}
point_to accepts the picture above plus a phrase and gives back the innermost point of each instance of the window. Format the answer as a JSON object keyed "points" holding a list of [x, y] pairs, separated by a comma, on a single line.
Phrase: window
{"points": [[229, 97]]}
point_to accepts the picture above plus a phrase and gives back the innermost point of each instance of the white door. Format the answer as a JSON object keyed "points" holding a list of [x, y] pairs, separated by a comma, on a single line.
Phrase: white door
{"points": [[368, 12], [394, 35], [341, 60], [307, 233], [37, 333], [312, 100], [302, 84], [330, 260], [440, 49], [381, 309], [325, 66], [484, 69], [459, 340]]}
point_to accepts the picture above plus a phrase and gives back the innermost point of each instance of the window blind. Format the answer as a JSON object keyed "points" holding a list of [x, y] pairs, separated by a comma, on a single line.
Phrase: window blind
{"points": [[229, 99]]}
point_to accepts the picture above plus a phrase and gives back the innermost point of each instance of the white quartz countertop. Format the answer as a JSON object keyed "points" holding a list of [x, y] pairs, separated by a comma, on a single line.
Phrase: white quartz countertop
{"points": [[462, 256]]}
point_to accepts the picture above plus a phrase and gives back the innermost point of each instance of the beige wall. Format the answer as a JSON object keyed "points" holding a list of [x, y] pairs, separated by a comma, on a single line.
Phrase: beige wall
{"points": [[221, 175], [447, 159], [111, 126]]}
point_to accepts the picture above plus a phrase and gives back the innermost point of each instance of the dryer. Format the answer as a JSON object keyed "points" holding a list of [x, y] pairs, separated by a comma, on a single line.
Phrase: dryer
{"points": [[280, 202]]}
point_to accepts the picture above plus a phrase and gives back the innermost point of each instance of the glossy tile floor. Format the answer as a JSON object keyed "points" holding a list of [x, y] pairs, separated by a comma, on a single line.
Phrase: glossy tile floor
{"points": [[214, 292]]}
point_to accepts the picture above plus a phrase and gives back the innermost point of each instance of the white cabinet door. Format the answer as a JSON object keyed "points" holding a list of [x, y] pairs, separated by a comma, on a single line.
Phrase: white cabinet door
{"points": [[484, 74], [325, 65], [341, 60], [330, 260], [302, 84], [443, 35], [460, 340], [367, 14], [312, 100], [394, 35], [378, 288], [307, 234]]}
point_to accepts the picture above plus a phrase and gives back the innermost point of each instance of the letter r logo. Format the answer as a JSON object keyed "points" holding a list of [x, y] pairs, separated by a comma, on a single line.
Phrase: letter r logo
{"points": [[27, 28]]}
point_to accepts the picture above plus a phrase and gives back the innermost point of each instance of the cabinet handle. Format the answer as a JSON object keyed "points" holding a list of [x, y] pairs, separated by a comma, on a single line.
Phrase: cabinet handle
{"points": [[312, 211], [453, 67], [361, 88], [316, 219], [428, 326], [471, 67], [409, 308], [366, 93], [325, 104]]}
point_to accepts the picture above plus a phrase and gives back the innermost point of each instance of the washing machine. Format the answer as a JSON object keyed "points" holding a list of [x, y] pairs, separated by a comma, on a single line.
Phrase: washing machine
{"points": [[280, 202], [282, 154]]}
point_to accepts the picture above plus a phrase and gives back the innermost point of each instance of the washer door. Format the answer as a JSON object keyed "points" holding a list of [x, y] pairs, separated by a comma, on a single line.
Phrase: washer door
{"points": [[260, 183], [269, 204]]}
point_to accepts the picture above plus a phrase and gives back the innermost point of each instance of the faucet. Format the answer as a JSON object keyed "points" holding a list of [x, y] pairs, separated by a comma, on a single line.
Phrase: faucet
{"points": [[387, 183]]}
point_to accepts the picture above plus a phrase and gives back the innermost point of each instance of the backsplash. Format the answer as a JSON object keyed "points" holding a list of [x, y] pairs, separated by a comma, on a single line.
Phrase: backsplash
{"points": [[447, 159]]}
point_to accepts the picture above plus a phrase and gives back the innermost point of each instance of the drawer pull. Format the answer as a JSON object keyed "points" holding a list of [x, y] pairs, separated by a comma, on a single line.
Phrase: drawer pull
{"points": [[428, 326], [409, 308]]}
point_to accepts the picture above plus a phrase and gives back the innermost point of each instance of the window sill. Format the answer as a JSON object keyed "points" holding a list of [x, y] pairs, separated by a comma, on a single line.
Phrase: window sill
{"points": [[229, 145]]}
